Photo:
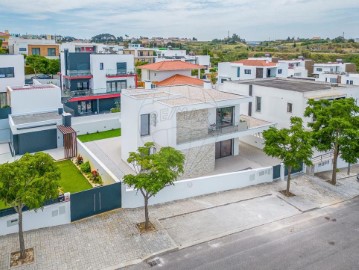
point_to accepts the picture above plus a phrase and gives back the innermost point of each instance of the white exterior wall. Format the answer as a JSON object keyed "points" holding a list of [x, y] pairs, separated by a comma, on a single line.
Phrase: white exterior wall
{"points": [[96, 123], [109, 61], [17, 62], [350, 77], [227, 70], [171, 53], [35, 101], [203, 60], [199, 186], [298, 69], [329, 68], [49, 216], [157, 76]]}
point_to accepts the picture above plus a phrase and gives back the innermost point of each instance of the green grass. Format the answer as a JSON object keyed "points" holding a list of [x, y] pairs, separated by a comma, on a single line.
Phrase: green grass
{"points": [[72, 179], [100, 135]]}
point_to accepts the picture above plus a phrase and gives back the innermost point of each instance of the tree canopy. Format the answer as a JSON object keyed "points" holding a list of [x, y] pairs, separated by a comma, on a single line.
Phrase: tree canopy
{"points": [[335, 126], [41, 64]]}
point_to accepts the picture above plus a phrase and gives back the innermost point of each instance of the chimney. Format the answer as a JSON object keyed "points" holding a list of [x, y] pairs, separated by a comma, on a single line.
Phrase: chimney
{"points": [[148, 85], [207, 84], [66, 119]]}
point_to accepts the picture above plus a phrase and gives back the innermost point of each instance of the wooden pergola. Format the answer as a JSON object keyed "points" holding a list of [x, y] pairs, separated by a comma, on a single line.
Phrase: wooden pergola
{"points": [[70, 143]]}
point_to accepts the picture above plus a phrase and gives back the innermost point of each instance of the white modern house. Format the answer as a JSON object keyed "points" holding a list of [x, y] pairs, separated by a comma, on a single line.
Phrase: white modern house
{"points": [[90, 47], [343, 78], [203, 123], [12, 72], [93, 81], [277, 100], [333, 68], [44, 47], [177, 54], [246, 69], [160, 71], [292, 68]]}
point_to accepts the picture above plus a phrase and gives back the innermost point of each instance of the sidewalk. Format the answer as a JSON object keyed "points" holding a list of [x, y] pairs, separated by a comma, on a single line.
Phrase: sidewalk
{"points": [[111, 241]]}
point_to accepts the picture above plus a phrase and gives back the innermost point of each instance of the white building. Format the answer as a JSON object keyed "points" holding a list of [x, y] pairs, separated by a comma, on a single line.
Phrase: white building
{"points": [[203, 123], [334, 68], [44, 47], [277, 100], [246, 70], [176, 54], [292, 68], [93, 82], [91, 47], [344, 78], [12, 73], [160, 71]]}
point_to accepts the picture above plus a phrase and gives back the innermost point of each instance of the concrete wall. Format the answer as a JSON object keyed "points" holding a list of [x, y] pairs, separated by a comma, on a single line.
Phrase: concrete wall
{"points": [[94, 123], [107, 176], [17, 62], [49, 216], [199, 186]]}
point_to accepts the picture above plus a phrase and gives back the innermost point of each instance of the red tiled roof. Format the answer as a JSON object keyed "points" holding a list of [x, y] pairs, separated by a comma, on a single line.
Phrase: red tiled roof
{"points": [[180, 80], [83, 98], [256, 63], [171, 65]]}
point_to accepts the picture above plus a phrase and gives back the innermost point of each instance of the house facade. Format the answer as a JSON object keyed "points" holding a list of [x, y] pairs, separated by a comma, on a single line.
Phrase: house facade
{"points": [[343, 78], [203, 123], [333, 68], [4, 37], [93, 82], [140, 53], [44, 47]]}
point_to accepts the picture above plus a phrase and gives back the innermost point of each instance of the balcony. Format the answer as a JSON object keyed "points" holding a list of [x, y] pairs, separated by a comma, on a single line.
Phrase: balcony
{"points": [[78, 74], [115, 73], [76, 93]]}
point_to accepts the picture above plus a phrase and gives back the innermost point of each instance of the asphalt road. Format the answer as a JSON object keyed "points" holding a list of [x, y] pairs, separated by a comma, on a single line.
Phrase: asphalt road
{"points": [[323, 239]]}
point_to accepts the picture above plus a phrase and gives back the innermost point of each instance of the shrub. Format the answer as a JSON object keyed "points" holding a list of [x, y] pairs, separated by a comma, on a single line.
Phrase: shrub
{"points": [[79, 160], [115, 110], [95, 177], [85, 167]]}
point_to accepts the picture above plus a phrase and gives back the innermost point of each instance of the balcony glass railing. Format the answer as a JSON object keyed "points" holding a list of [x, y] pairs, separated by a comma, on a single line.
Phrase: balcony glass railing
{"points": [[78, 72], [115, 72]]}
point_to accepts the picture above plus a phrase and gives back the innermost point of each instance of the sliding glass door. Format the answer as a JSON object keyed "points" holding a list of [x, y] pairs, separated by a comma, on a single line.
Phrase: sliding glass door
{"points": [[225, 117]]}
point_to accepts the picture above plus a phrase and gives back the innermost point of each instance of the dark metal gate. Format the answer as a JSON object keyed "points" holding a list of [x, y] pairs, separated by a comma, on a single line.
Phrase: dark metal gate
{"points": [[95, 201], [300, 169]]}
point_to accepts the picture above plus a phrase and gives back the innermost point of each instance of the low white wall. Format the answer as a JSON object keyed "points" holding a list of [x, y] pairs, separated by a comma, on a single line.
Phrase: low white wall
{"points": [[199, 186], [49, 216], [95, 123], [327, 165], [107, 176]]}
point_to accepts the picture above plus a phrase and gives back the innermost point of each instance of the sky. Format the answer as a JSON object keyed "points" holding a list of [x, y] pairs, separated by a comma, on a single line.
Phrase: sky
{"points": [[205, 20]]}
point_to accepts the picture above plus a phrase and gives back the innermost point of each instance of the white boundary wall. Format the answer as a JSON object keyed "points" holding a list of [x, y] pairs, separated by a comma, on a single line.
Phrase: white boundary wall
{"points": [[96, 123], [49, 216], [107, 176], [327, 165], [199, 186]]}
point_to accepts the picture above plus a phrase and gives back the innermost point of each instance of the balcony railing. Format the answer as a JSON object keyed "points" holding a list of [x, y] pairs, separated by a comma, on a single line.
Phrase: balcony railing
{"points": [[78, 73], [213, 130], [116, 72], [77, 93]]}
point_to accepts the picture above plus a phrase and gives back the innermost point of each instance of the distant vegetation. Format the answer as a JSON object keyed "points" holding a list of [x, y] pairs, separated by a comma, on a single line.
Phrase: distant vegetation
{"points": [[106, 38]]}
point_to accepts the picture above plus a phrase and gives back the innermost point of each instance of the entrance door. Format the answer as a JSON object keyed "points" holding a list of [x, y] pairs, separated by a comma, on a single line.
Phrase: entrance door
{"points": [[224, 148], [259, 73]]}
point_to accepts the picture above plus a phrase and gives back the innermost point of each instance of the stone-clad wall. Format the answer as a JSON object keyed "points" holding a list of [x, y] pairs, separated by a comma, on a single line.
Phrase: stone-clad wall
{"points": [[192, 125], [199, 161]]}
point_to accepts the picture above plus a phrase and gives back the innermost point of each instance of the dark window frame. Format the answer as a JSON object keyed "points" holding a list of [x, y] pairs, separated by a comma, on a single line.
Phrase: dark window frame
{"points": [[258, 104], [142, 131], [7, 72], [289, 107]]}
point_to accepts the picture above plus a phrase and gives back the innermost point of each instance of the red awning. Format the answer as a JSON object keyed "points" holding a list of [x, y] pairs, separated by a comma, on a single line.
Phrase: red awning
{"points": [[117, 95]]}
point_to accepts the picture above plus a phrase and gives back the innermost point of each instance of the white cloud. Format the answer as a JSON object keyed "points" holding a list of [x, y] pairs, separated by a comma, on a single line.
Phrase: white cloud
{"points": [[255, 19]]}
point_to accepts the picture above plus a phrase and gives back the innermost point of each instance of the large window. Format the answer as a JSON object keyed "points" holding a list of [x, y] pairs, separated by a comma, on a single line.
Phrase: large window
{"points": [[51, 52], [35, 51], [82, 85], [247, 71], [116, 86], [258, 104], [145, 124], [7, 72], [224, 117], [319, 69], [121, 68]]}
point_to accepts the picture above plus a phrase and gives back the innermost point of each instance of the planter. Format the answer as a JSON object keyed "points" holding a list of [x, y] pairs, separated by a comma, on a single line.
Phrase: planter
{"points": [[4, 112]]}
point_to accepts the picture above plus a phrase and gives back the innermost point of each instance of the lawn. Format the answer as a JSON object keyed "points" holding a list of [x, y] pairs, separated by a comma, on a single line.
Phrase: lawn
{"points": [[100, 135], [72, 179]]}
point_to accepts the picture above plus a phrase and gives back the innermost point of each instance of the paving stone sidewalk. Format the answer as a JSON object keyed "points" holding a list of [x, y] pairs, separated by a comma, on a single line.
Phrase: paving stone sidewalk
{"points": [[111, 240]]}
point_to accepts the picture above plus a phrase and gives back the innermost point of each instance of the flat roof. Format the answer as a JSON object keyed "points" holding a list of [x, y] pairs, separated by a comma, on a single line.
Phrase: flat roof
{"points": [[33, 87], [35, 117], [287, 84], [182, 95]]}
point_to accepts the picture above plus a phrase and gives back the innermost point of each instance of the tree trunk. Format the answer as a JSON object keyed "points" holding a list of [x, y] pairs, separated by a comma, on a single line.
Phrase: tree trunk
{"points": [[348, 169], [335, 161], [147, 220], [21, 236], [288, 180]]}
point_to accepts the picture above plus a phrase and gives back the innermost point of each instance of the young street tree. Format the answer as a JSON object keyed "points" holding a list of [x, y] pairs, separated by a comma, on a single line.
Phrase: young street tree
{"points": [[335, 126], [30, 181], [293, 146], [154, 171]]}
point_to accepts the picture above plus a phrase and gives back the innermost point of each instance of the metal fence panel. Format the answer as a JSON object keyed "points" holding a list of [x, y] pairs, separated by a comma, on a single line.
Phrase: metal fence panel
{"points": [[276, 171]]}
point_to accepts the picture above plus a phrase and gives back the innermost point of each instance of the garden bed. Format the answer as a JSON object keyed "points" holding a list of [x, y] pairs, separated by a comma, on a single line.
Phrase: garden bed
{"points": [[100, 135], [91, 174]]}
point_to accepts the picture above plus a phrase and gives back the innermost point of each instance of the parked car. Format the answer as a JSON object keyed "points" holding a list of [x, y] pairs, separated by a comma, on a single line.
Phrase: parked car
{"points": [[42, 77], [28, 81]]}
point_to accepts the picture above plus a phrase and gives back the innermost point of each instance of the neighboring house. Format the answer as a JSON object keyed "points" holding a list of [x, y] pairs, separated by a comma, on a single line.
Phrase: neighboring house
{"points": [[90, 47], [203, 123], [293, 68], [36, 113], [160, 71], [277, 100], [43, 47], [179, 80], [246, 69], [4, 37], [92, 83], [344, 78], [333, 67], [141, 54]]}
